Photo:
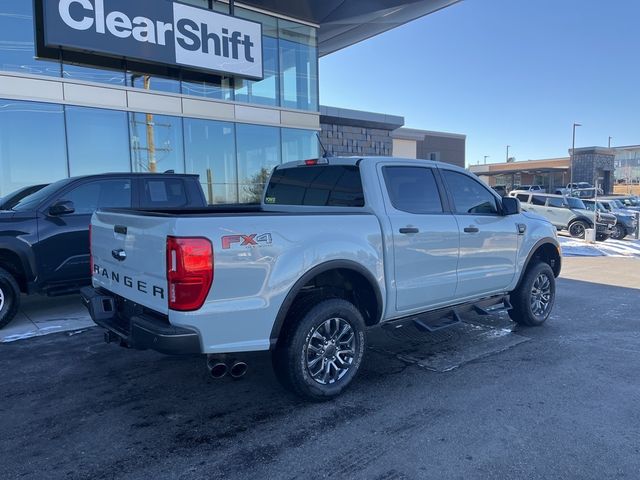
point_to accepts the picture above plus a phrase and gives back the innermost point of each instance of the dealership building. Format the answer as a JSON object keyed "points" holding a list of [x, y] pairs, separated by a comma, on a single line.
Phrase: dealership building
{"points": [[224, 90]]}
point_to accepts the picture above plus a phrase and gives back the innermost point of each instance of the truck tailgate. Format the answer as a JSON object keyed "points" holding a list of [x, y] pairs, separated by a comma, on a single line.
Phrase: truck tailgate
{"points": [[129, 256]]}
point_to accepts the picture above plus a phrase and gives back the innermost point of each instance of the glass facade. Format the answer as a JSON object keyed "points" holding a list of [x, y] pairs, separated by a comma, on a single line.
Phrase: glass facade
{"points": [[290, 58], [233, 160], [44, 142]]}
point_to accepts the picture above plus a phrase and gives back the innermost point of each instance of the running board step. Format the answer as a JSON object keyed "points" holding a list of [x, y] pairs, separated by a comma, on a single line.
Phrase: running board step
{"points": [[444, 322], [449, 316]]}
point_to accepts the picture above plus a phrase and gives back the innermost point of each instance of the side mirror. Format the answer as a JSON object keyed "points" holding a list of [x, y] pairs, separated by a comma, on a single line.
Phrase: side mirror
{"points": [[62, 207], [510, 206]]}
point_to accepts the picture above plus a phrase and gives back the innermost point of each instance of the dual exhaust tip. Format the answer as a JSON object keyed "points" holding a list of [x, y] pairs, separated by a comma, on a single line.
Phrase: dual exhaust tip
{"points": [[219, 368]]}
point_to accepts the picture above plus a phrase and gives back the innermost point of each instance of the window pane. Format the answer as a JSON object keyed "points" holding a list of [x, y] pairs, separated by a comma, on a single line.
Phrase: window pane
{"points": [[24, 161], [258, 152], [298, 66], [469, 195], [265, 91], [337, 185], [538, 200], [74, 68], [299, 145], [210, 151], [98, 141], [413, 189], [166, 81], [163, 193], [156, 143], [209, 86], [89, 197]]}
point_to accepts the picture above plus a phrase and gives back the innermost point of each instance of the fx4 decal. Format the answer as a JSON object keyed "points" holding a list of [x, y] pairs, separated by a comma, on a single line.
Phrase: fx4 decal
{"points": [[252, 240]]}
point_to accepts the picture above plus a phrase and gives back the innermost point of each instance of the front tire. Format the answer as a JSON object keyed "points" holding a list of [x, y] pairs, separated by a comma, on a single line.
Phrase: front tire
{"points": [[9, 298], [578, 229], [534, 297], [321, 350]]}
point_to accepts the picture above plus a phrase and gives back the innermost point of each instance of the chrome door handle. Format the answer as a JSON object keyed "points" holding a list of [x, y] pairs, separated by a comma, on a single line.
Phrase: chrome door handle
{"points": [[409, 230], [471, 229]]}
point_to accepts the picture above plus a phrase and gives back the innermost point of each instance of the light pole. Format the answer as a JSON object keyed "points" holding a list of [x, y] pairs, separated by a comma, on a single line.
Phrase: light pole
{"points": [[485, 159], [610, 142], [573, 147], [508, 146]]}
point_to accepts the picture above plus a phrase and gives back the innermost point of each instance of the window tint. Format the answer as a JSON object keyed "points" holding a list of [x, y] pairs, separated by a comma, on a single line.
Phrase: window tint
{"points": [[88, 197], [322, 185], [469, 196], [523, 197], [538, 200], [413, 189], [555, 202], [163, 193]]}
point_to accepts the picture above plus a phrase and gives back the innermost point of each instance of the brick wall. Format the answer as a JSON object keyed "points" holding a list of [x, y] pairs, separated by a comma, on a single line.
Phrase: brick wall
{"points": [[347, 140]]}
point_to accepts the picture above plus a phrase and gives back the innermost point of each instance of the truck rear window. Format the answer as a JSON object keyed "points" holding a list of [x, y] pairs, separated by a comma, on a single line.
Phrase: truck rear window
{"points": [[321, 185]]}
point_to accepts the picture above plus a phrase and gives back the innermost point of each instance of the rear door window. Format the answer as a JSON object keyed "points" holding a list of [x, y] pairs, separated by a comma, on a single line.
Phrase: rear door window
{"points": [[555, 202], [413, 189], [523, 197], [538, 200], [318, 185], [163, 193]]}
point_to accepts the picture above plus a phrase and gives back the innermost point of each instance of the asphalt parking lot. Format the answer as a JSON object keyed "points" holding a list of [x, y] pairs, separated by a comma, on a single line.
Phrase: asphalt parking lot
{"points": [[560, 401]]}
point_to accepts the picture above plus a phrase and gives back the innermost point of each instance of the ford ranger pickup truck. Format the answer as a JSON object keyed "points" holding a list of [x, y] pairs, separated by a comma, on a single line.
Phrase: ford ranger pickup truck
{"points": [[336, 246]]}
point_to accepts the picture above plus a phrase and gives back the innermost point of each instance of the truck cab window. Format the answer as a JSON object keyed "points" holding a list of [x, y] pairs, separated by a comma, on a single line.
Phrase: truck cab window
{"points": [[413, 189], [469, 196]]}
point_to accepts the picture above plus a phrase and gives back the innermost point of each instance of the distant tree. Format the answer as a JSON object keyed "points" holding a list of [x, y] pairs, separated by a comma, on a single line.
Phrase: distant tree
{"points": [[255, 189]]}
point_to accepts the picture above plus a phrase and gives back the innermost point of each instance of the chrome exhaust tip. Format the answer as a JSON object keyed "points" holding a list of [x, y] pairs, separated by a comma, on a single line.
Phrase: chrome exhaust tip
{"points": [[238, 369], [218, 369]]}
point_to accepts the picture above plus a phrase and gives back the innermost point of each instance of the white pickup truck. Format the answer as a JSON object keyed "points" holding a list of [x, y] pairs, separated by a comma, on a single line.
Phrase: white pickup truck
{"points": [[337, 245]]}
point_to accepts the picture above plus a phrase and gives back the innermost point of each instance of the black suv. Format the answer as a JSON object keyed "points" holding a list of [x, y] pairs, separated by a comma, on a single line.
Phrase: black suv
{"points": [[44, 238]]}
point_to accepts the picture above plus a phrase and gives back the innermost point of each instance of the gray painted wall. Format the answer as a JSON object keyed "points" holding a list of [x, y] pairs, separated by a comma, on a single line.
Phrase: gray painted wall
{"points": [[451, 150]]}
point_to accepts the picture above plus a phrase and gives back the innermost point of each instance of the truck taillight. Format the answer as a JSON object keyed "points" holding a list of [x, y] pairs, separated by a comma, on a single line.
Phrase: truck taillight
{"points": [[189, 272]]}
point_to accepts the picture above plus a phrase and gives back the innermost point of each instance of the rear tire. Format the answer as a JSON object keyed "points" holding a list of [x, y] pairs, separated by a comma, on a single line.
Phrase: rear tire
{"points": [[534, 297], [578, 229], [619, 232], [321, 349], [602, 237], [9, 298]]}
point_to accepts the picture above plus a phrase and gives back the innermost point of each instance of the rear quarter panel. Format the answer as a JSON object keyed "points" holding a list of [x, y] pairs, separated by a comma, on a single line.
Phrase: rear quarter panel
{"points": [[257, 261]]}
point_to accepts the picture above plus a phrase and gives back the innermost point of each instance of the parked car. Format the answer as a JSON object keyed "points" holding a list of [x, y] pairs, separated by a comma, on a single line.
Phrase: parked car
{"points": [[337, 245], [529, 188], [579, 189], [568, 213], [8, 201], [625, 220], [44, 246], [628, 202]]}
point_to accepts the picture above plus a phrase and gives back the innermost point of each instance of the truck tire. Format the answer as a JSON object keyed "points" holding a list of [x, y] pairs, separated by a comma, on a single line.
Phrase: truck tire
{"points": [[602, 237], [577, 228], [534, 297], [9, 298], [322, 348], [619, 232]]}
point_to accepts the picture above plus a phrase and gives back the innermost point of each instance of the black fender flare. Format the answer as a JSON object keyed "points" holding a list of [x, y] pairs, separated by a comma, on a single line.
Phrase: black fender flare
{"points": [[534, 249], [313, 272], [24, 252]]}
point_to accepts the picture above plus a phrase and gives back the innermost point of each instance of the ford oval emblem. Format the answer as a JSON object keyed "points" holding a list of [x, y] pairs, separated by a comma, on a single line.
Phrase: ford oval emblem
{"points": [[119, 254]]}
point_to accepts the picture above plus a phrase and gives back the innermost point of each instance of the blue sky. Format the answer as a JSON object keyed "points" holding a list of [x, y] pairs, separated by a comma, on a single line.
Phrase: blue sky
{"points": [[516, 72]]}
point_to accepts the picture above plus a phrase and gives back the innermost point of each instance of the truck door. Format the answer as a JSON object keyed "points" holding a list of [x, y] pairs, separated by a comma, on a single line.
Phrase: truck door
{"points": [[488, 239], [63, 249], [425, 237]]}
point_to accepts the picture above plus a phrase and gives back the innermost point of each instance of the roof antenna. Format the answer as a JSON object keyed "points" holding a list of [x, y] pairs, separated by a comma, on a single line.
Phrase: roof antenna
{"points": [[326, 154]]}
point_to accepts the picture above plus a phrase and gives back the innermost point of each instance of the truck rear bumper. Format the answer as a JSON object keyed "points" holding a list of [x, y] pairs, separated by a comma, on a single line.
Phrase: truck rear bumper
{"points": [[138, 330]]}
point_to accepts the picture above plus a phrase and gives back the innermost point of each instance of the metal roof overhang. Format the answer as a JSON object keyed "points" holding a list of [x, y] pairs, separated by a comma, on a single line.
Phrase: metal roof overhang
{"points": [[345, 22]]}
